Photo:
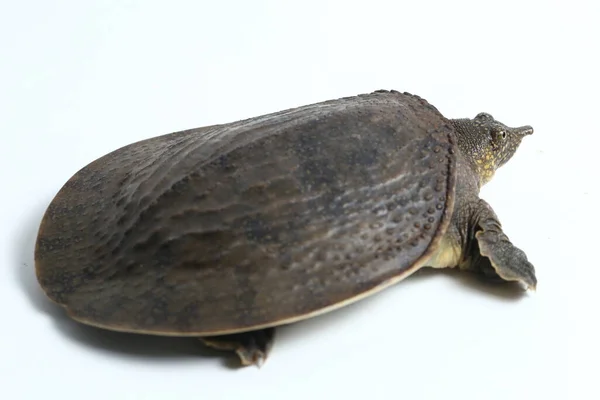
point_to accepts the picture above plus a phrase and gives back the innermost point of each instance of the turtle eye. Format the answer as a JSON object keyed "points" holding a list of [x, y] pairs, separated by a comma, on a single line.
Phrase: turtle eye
{"points": [[498, 137]]}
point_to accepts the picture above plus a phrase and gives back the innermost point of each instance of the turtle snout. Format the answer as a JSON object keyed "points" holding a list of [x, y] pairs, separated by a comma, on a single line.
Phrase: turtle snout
{"points": [[525, 130]]}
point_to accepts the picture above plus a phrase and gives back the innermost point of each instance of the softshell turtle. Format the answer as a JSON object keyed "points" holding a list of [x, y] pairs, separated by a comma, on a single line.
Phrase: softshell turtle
{"points": [[227, 231]]}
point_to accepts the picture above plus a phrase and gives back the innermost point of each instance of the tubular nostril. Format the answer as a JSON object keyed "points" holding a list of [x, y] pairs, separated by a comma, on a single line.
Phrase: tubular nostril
{"points": [[526, 130]]}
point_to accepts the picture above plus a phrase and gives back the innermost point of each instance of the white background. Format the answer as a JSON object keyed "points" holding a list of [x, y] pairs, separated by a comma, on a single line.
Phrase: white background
{"points": [[81, 78]]}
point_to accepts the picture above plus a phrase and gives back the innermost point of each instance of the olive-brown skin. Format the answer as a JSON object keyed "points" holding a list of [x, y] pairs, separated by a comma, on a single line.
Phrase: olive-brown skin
{"points": [[250, 224]]}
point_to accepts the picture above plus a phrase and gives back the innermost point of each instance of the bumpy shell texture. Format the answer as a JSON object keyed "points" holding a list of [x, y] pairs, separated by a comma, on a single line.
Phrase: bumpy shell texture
{"points": [[251, 224]]}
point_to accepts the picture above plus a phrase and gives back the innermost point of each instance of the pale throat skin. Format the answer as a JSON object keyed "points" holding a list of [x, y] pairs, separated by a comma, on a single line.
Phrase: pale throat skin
{"points": [[484, 145]]}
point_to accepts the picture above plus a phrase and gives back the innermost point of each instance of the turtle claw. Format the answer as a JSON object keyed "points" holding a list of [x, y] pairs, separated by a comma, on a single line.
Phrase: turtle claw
{"points": [[251, 356], [252, 347]]}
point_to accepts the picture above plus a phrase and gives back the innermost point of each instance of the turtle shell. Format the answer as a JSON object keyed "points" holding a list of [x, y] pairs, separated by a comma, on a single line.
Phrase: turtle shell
{"points": [[251, 224]]}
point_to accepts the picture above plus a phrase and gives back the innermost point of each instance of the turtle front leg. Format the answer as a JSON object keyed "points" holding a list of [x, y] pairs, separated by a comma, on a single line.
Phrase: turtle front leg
{"points": [[252, 347], [493, 254]]}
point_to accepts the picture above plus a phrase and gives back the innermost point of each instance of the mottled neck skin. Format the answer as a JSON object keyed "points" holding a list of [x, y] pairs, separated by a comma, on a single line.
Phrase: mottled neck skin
{"points": [[487, 144]]}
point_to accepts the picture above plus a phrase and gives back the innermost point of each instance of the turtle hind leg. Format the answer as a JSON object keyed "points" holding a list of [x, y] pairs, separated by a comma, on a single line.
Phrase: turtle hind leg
{"points": [[497, 258], [252, 347]]}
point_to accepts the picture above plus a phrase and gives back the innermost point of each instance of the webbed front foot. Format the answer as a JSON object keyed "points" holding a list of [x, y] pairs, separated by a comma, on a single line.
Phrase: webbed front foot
{"points": [[508, 261], [252, 347], [498, 257]]}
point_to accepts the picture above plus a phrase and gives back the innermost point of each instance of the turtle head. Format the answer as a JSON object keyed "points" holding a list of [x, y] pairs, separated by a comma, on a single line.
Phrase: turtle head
{"points": [[488, 143]]}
